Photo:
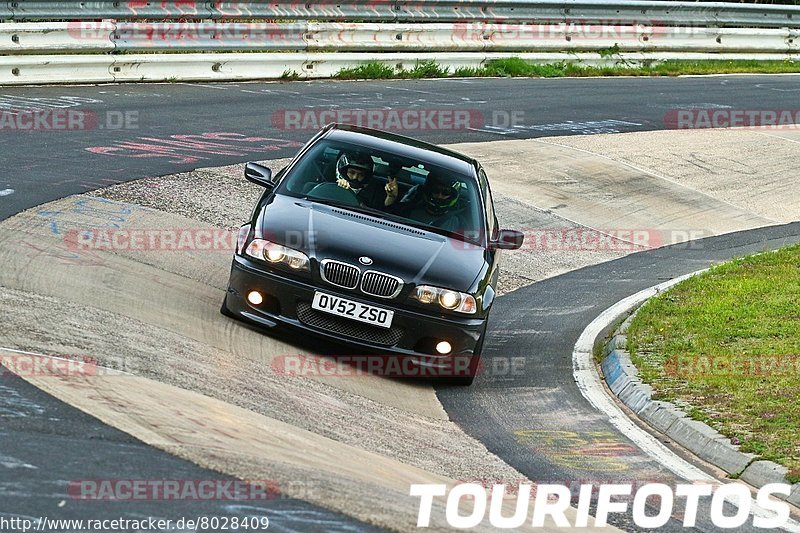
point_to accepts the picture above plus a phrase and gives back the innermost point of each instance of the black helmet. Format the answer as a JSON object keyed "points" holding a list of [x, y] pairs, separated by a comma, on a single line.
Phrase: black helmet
{"points": [[441, 193], [356, 161]]}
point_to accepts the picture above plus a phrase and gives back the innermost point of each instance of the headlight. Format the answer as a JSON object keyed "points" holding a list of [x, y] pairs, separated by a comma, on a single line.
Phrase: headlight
{"points": [[445, 298], [278, 254]]}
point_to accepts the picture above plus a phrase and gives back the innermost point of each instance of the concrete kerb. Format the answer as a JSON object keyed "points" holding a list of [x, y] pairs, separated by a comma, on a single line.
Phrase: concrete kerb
{"points": [[621, 376], [590, 383]]}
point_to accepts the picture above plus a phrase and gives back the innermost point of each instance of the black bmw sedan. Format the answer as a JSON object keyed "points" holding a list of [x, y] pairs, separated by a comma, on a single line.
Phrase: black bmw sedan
{"points": [[376, 240]]}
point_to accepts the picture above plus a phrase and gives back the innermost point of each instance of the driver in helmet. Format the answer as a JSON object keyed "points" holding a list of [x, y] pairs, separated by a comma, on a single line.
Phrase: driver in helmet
{"points": [[354, 173], [437, 202]]}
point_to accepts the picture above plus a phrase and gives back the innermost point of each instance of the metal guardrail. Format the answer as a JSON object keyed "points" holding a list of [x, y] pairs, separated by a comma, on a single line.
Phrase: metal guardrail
{"points": [[101, 39], [91, 68], [68, 37], [718, 14]]}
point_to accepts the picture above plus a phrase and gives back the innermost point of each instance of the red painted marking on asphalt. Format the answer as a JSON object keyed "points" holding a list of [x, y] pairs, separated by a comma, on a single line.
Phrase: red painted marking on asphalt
{"points": [[193, 148]]}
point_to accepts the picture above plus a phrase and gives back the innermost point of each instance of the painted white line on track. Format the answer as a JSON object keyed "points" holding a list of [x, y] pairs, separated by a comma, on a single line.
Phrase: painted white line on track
{"points": [[498, 131], [767, 134], [6, 461], [588, 380], [209, 86]]}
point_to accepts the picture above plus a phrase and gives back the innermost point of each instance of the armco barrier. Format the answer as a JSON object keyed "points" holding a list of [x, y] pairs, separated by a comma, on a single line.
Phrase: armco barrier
{"points": [[361, 37], [34, 70], [630, 12], [30, 38], [27, 70], [54, 37], [118, 41]]}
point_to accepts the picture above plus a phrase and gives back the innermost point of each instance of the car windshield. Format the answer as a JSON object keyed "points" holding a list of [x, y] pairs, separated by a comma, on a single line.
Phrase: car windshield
{"points": [[428, 196]]}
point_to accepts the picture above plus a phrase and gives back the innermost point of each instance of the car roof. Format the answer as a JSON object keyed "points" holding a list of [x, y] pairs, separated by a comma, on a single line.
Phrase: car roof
{"points": [[404, 146]]}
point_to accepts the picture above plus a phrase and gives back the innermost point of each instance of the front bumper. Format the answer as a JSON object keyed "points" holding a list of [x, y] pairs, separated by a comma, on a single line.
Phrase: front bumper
{"points": [[287, 302]]}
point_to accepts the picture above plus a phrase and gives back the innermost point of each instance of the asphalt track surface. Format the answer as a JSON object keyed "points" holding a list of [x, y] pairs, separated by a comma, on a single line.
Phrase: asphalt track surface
{"points": [[46, 165], [41, 166]]}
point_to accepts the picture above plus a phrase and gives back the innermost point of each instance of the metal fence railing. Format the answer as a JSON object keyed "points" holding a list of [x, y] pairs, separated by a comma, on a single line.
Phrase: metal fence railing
{"points": [[542, 11], [44, 42], [100, 37]]}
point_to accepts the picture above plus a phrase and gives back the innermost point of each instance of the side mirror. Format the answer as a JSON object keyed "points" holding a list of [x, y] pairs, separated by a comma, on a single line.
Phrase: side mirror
{"points": [[508, 239], [259, 174]]}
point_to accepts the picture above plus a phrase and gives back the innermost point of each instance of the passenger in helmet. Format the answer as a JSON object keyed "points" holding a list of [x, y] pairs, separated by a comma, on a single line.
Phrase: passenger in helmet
{"points": [[437, 202], [354, 173], [441, 194]]}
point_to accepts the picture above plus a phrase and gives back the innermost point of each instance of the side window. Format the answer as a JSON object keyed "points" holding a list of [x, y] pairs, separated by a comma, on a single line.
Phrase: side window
{"points": [[491, 218], [315, 167]]}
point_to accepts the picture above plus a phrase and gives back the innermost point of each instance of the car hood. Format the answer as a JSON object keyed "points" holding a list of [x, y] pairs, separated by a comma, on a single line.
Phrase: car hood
{"points": [[327, 232]]}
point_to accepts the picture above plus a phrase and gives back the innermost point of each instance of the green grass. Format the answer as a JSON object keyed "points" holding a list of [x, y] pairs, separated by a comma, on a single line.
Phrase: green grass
{"points": [[726, 346], [374, 70], [675, 68], [426, 69], [290, 75], [517, 67]]}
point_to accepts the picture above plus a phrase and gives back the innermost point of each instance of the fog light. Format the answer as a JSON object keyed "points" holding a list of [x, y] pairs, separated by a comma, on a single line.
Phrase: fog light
{"points": [[444, 347], [255, 298]]}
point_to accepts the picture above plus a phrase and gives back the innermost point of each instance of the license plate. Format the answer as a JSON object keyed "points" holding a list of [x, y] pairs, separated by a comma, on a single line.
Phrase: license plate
{"points": [[336, 305]]}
